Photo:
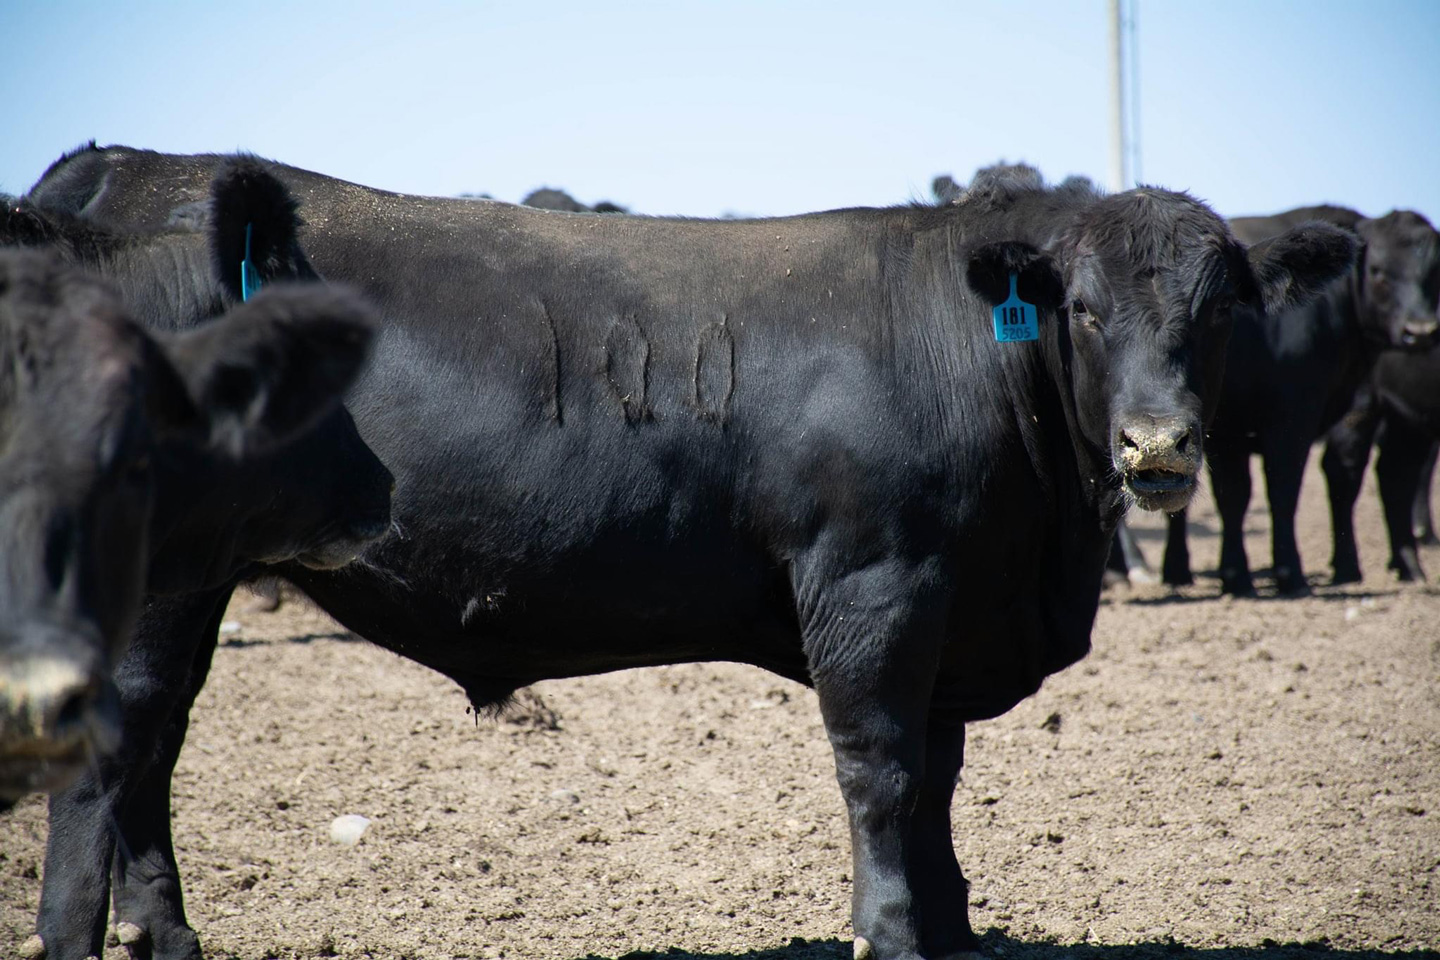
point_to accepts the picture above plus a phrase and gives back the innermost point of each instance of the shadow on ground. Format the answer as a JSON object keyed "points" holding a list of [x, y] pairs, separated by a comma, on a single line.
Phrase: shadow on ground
{"points": [[999, 946]]}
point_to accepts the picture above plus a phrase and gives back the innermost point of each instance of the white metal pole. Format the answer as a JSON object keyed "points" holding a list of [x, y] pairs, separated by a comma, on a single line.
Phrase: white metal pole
{"points": [[1117, 103]]}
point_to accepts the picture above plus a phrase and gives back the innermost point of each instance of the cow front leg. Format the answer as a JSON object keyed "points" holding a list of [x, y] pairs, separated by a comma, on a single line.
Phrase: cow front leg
{"points": [[1176, 567], [149, 899], [1230, 476], [873, 648], [939, 883], [150, 678], [1347, 452], [1284, 471]]}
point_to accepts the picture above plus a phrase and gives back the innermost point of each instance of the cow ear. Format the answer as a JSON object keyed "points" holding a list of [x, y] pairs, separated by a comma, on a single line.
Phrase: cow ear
{"points": [[990, 265], [269, 369], [1294, 268], [251, 209]]}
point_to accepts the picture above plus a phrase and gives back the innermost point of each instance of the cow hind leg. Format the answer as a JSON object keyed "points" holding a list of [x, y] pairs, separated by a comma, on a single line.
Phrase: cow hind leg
{"points": [[941, 887], [872, 640], [1403, 451]]}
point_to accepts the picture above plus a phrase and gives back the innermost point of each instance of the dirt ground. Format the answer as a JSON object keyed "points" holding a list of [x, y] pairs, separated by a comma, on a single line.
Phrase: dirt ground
{"points": [[1223, 779]]}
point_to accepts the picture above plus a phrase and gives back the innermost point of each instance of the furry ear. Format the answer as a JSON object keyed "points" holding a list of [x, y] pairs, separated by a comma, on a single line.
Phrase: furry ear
{"points": [[990, 265], [1294, 268], [245, 194], [271, 368]]}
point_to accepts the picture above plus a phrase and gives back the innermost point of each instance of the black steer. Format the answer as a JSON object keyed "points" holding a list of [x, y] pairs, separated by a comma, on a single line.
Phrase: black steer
{"points": [[794, 443], [548, 198], [1290, 376], [269, 468], [1401, 402]]}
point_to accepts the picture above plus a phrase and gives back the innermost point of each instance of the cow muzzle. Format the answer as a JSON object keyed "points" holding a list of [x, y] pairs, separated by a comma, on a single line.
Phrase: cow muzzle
{"points": [[1419, 334], [1158, 460], [57, 713]]}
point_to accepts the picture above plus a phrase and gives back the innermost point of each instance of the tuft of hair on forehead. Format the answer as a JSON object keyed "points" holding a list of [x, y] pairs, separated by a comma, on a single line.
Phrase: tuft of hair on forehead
{"points": [[1148, 227]]}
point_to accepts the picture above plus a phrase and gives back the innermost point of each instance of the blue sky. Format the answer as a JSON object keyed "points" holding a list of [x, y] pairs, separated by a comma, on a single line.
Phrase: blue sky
{"points": [[760, 108]]}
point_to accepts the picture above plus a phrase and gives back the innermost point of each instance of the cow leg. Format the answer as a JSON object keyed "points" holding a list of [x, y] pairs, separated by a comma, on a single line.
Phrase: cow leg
{"points": [[1176, 568], [873, 651], [1136, 569], [941, 888], [1422, 523], [147, 890], [1230, 475], [151, 677], [1403, 451], [1347, 451], [1284, 471]]}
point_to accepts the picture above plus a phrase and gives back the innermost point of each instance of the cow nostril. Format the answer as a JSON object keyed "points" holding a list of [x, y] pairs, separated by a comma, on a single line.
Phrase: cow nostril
{"points": [[1183, 444], [72, 710], [1128, 441]]}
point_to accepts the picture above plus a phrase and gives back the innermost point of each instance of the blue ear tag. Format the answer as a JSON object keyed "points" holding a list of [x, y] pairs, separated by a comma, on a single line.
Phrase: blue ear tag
{"points": [[1015, 319], [249, 278]]}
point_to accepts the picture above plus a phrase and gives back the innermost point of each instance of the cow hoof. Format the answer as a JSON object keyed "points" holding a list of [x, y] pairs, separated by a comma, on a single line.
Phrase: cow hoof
{"points": [[129, 934], [1237, 587], [33, 949], [1345, 575], [1140, 576], [1179, 578], [863, 950], [1291, 584]]}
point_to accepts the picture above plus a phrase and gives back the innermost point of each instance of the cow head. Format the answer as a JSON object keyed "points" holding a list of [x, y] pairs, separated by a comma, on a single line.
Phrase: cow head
{"points": [[1151, 277], [1399, 280], [1145, 282], [94, 411]]}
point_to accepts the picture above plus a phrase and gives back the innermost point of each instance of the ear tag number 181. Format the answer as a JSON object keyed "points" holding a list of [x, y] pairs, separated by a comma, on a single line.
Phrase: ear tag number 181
{"points": [[1015, 319]]}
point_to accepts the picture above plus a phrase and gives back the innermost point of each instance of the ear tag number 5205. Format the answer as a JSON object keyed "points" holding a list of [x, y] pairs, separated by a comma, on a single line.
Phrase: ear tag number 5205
{"points": [[1015, 319]]}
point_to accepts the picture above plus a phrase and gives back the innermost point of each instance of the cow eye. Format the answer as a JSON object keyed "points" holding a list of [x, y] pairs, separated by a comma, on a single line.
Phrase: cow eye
{"points": [[1078, 309]]}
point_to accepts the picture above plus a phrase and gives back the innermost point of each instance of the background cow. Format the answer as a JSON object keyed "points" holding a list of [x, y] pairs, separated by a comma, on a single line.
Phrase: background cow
{"points": [[1290, 377], [629, 441]]}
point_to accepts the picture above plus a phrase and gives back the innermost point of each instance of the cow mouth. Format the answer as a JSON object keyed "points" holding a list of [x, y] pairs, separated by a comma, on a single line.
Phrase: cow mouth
{"points": [[39, 773], [1159, 489]]}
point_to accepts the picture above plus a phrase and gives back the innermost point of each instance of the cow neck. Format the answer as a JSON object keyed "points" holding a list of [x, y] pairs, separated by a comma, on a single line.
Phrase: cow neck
{"points": [[1096, 486], [167, 282]]}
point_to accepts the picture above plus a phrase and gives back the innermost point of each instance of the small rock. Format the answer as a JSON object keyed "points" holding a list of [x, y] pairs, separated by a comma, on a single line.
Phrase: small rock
{"points": [[33, 949], [564, 796], [230, 626], [348, 829], [863, 950]]}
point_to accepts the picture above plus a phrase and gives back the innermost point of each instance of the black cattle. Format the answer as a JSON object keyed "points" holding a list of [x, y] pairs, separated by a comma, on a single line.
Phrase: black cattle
{"points": [[160, 458], [1400, 403], [548, 198], [1290, 377], [794, 443]]}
